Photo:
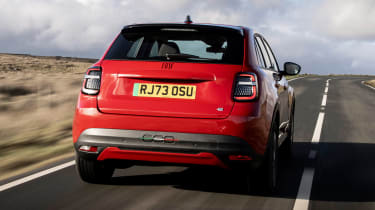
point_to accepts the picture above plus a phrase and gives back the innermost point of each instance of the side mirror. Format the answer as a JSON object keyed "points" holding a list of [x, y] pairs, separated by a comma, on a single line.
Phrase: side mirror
{"points": [[291, 68]]}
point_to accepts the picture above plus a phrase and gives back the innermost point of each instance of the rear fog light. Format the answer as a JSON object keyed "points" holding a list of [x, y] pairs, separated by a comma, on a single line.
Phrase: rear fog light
{"points": [[88, 148]]}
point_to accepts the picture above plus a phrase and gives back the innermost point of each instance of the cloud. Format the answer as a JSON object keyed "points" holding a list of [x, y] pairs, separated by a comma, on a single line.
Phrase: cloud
{"points": [[328, 36], [346, 19]]}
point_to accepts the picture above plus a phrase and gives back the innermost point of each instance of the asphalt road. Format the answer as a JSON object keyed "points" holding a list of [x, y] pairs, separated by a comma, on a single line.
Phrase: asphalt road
{"points": [[344, 170]]}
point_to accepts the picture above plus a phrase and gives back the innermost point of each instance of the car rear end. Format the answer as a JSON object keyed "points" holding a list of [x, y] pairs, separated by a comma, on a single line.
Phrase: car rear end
{"points": [[171, 94]]}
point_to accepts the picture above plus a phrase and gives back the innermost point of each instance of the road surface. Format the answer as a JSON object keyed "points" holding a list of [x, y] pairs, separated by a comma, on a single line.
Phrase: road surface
{"points": [[332, 166]]}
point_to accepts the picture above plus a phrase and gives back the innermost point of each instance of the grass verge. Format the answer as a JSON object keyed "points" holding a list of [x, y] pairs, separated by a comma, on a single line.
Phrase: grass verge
{"points": [[37, 102], [370, 83]]}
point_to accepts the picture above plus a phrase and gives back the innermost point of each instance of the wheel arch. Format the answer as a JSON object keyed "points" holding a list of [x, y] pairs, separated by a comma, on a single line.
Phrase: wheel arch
{"points": [[275, 118]]}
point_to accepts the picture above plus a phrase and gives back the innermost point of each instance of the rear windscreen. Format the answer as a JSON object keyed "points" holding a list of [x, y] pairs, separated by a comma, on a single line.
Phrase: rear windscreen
{"points": [[211, 45]]}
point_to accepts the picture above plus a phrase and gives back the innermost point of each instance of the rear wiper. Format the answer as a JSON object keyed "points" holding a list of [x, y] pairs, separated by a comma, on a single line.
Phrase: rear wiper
{"points": [[168, 57], [180, 55]]}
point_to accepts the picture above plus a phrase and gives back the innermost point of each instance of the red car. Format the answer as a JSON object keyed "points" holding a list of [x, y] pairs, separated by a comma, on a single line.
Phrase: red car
{"points": [[184, 94]]}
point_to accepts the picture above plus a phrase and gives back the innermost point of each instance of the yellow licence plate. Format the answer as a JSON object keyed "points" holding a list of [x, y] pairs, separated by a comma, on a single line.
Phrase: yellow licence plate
{"points": [[164, 90]]}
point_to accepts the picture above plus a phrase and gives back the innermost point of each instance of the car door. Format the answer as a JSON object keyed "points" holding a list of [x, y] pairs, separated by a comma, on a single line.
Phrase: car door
{"points": [[280, 82], [283, 89]]}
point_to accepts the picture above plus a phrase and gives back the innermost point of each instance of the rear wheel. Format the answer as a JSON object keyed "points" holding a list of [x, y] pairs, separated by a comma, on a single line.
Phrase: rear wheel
{"points": [[267, 173], [271, 167], [93, 171]]}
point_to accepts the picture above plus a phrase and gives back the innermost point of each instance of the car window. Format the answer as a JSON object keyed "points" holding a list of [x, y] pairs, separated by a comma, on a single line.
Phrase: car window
{"points": [[272, 57], [266, 57], [259, 55], [134, 49], [178, 44], [199, 48], [154, 49]]}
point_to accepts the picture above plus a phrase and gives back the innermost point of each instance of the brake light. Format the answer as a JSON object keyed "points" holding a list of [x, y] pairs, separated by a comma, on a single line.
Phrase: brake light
{"points": [[246, 87], [91, 83]]}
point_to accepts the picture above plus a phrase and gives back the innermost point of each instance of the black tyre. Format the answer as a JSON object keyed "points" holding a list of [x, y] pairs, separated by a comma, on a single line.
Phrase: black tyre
{"points": [[93, 171], [272, 159], [265, 177]]}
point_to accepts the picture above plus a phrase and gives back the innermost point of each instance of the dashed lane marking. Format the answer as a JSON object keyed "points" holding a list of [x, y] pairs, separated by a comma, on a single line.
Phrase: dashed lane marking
{"points": [[312, 154], [318, 128], [324, 101], [303, 197], [304, 190]]}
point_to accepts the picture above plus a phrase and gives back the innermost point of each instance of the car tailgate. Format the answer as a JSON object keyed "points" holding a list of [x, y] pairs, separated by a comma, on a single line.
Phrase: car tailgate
{"points": [[200, 90]]}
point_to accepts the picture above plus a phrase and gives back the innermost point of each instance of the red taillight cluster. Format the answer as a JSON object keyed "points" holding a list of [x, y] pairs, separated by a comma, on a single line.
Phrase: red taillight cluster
{"points": [[246, 87], [91, 83]]}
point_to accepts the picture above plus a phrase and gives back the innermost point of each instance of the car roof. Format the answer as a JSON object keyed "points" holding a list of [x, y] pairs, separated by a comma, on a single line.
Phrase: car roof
{"points": [[238, 29]]}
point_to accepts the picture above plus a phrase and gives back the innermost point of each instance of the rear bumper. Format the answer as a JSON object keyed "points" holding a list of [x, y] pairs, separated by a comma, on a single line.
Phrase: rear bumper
{"points": [[165, 147]]}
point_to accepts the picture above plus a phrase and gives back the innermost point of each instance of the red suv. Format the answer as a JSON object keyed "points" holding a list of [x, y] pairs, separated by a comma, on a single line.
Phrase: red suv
{"points": [[184, 94]]}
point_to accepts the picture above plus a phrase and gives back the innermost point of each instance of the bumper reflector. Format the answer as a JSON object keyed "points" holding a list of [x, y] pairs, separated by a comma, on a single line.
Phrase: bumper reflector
{"points": [[239, 157], [88, 148]]}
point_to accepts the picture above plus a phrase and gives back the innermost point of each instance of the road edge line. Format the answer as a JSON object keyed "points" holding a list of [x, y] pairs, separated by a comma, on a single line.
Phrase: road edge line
{"points": [[36, 175], [295, 79]]}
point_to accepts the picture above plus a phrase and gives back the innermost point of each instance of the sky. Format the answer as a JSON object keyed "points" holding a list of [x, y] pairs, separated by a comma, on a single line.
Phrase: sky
{"points": [[323, 36]]}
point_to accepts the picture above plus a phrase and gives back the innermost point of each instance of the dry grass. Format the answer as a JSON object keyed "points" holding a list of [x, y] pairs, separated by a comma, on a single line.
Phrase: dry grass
{"points": [[371, 83], [37, 100]]}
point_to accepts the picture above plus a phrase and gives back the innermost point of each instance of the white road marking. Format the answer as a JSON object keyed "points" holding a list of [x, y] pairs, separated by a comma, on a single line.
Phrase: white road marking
{"points": [[324, 101], [318, 128], [363, 82], [312, 154], [36, 175], [303, 197], [295, 79], [304, 190]]}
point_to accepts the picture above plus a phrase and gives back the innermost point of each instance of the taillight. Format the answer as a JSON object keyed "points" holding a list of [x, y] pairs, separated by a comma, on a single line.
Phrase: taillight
{"points": [[246, 87], [91, 83]]}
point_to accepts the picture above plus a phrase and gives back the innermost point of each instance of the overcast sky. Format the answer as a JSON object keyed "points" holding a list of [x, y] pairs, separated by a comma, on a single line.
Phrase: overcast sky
{"points": [[324, 36]]}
